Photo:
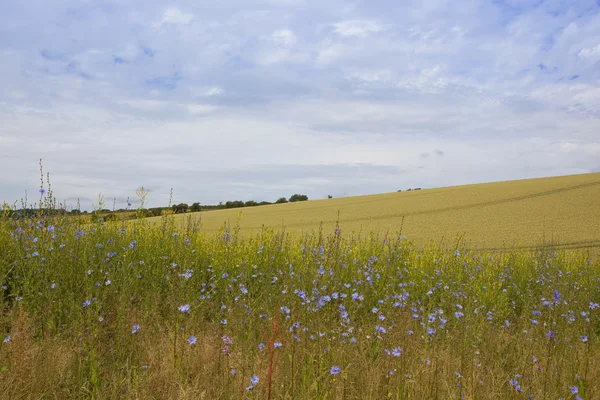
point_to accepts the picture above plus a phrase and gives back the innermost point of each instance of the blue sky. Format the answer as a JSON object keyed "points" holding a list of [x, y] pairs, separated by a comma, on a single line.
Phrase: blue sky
{"points": [[262, 99]]}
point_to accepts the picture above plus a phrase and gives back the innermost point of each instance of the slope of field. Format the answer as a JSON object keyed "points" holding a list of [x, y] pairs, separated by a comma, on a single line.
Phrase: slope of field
{"points": [[563, 211]]}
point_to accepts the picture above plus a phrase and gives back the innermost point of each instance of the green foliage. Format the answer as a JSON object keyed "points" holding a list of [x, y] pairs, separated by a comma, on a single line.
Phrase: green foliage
{"points": [[74, 292], [298, 197]]}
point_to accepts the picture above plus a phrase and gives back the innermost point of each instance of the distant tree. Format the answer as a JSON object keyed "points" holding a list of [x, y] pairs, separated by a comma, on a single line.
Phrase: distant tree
{"points": [[264, 203], [298, 197], [417, 188], [180, 208], [250, 203], [234, 204], [195, 207], [400, 190], [329, 196], [281, 200]]}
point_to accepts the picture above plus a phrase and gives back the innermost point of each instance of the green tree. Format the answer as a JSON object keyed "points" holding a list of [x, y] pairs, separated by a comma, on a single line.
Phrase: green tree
{"points": [[298, 197]]}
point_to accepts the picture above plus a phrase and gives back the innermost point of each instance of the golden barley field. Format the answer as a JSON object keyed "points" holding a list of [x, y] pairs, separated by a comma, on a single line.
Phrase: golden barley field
{"points": [[562, 211]]}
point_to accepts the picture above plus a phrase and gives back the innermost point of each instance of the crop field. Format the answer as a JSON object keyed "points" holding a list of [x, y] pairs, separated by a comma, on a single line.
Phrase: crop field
{"points": [[563, 211], [174, 309]]}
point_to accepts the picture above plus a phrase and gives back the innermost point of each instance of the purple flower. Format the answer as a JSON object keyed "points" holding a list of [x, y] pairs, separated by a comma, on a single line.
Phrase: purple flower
{"points": [[192, 340], [574, 389], [136, 329], [6, 339], [261, 346], [184, 308], [335, 370], [380, 329], [254, 379], [277, 345], [227, 340]]}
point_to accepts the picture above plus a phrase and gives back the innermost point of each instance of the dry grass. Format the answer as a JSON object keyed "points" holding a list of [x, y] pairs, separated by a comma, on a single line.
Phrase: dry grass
{"points": [[524, 213]]}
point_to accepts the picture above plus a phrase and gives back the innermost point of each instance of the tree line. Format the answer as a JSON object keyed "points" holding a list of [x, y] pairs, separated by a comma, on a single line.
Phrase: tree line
{"points": [[195, 207]]}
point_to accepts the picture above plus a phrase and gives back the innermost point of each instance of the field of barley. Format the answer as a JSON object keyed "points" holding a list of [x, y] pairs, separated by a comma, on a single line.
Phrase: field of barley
{"points": [[563, 211], [186, 309]]}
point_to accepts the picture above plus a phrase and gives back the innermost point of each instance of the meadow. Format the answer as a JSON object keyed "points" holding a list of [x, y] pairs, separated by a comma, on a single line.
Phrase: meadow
{"points": [[561, 211], [166, 309]]}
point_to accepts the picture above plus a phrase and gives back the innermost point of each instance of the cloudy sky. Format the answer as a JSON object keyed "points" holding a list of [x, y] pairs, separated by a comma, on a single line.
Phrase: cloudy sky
{"points": [[257, 99]]}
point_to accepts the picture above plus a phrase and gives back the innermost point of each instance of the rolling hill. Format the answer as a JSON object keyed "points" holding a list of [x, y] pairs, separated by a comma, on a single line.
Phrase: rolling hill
{"points": [[563, 211]]}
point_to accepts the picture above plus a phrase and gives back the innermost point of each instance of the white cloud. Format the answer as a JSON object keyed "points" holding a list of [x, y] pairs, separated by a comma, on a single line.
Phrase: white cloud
{"points": [[284, 37], [201, 108], [359, 28], [215, 91], [590, 52], [174, 15]]}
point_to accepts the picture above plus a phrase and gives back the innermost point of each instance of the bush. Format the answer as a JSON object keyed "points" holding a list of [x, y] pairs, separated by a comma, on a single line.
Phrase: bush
{"points": [[298, 197]]}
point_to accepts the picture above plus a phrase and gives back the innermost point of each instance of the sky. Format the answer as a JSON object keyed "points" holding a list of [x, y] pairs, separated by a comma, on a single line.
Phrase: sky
{"points": [[254, 100]]}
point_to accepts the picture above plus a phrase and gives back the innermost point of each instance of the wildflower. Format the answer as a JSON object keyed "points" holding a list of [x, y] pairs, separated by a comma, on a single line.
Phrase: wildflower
{"points": [[380, 329], [51, 229], [227, 340], [184, 308], [584, 339], [53, 286], [458, 314], [86, 303], [223, 322], [534, 322], [192, 340], [277, 345], [254, 379], [574, 389], [6, 339], [557, 297], [261, 346], [397, 352], [550, 334], [335, 370], [101, 319], [42, 191], [233, 371], [136, 329]]}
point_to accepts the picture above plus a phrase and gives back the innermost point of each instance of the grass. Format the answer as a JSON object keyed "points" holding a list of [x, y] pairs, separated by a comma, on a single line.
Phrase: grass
{"points": [[560, 210], [163, 310], [189, 308]]}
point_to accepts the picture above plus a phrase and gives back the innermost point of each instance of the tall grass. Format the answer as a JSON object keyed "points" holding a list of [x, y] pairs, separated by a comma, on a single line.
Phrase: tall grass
{"points": [[140, 310]]}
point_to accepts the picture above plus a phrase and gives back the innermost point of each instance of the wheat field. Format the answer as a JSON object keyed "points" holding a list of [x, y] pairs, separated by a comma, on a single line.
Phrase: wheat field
{"points": [[562, 211]]}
